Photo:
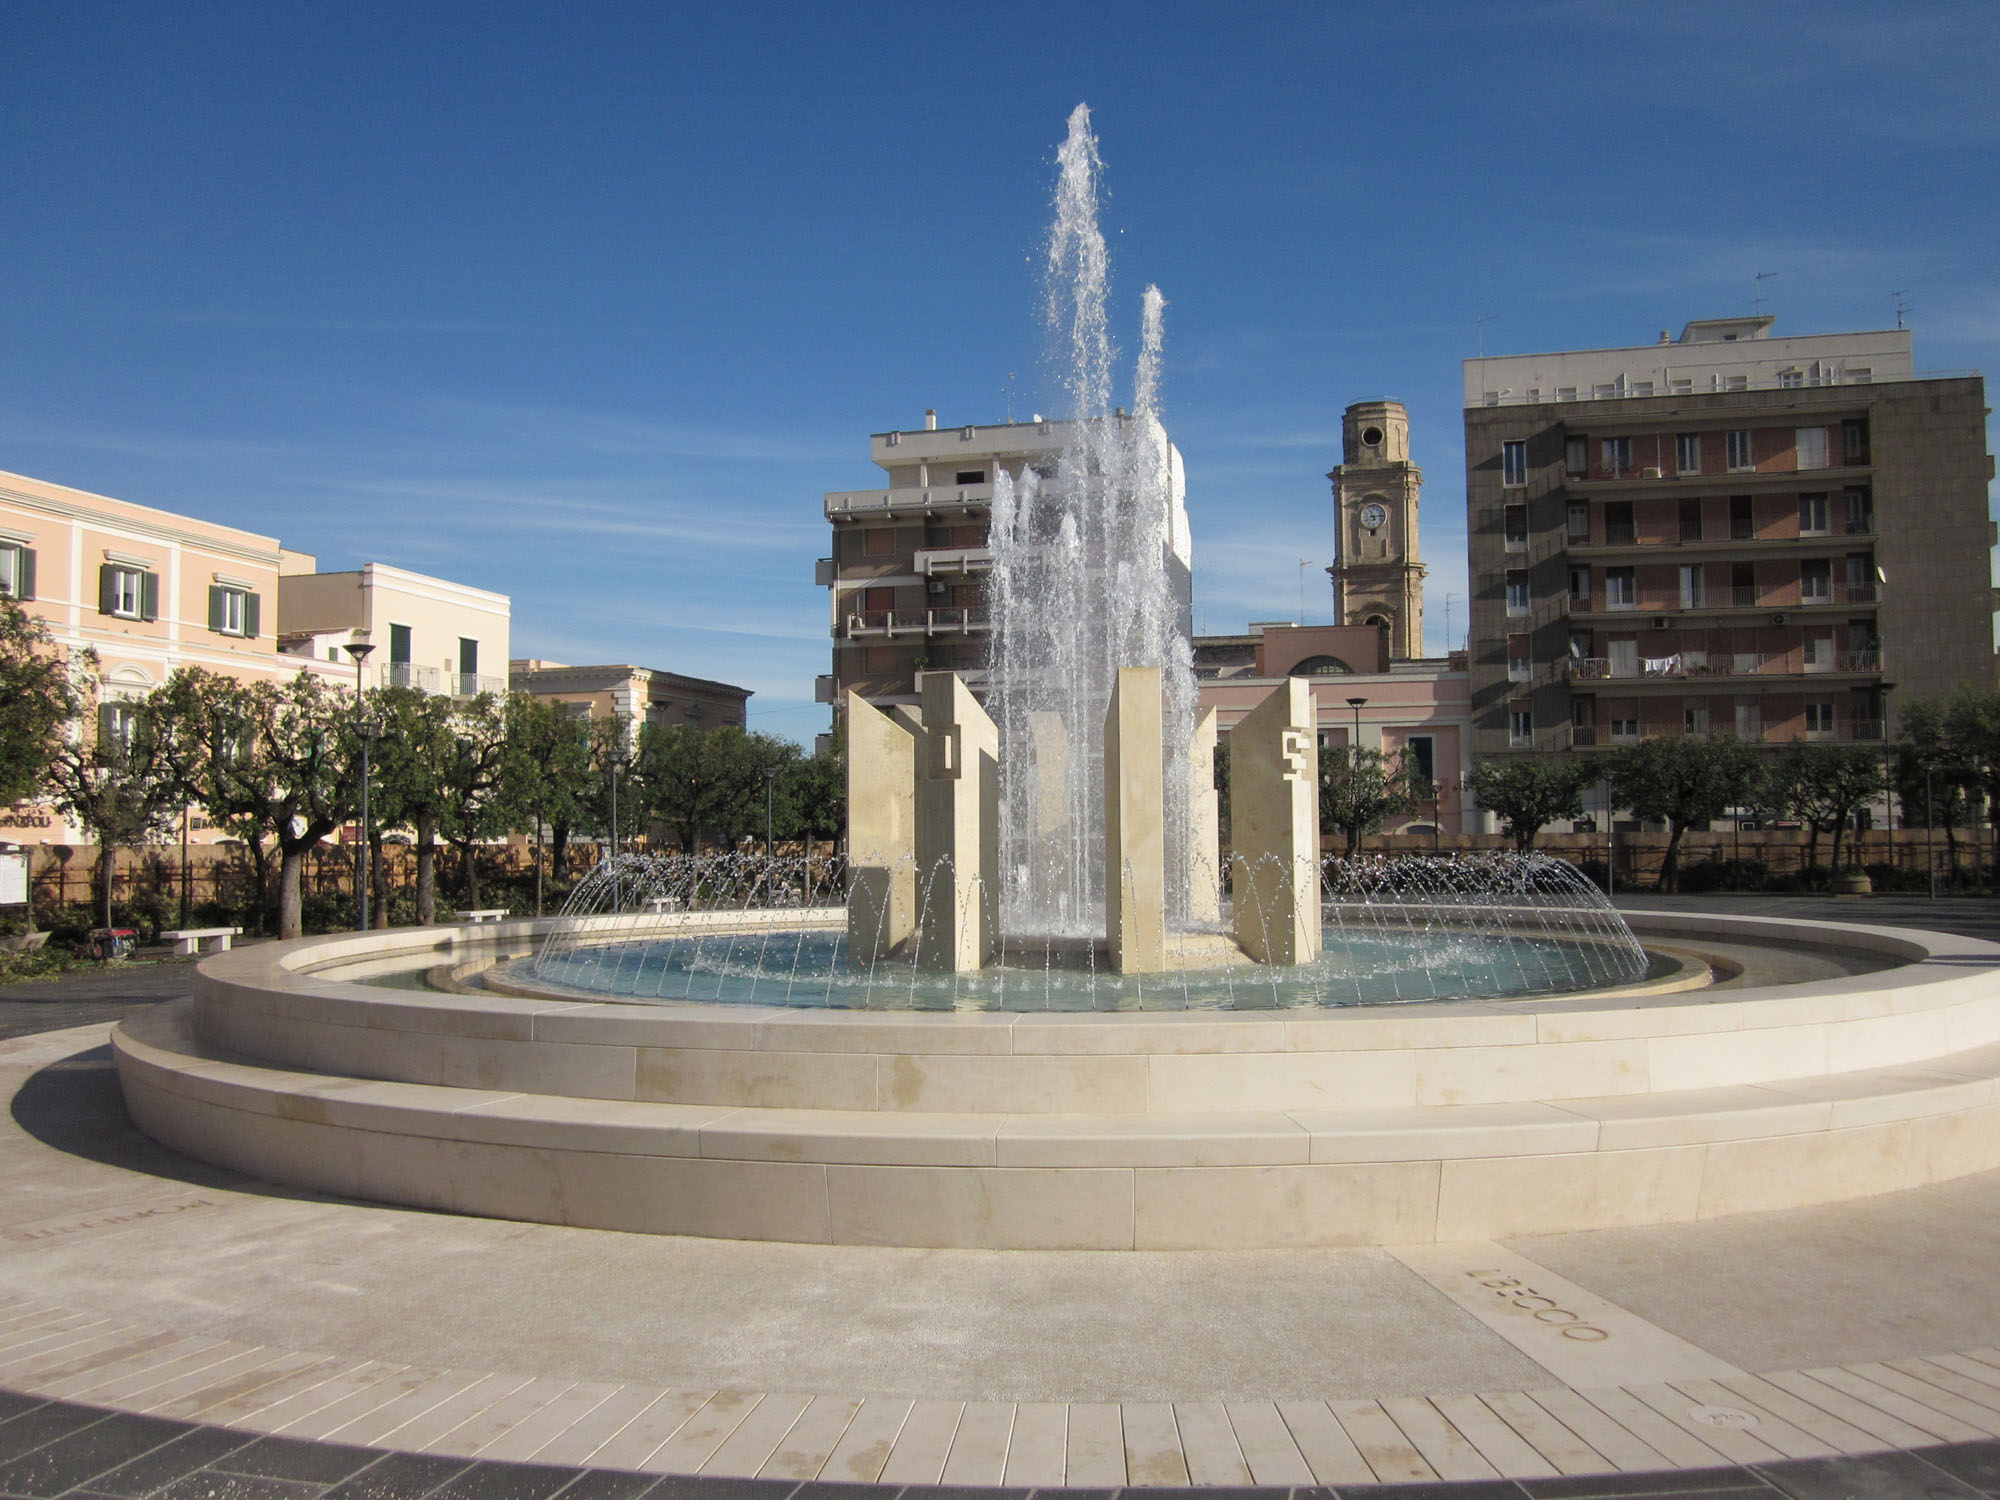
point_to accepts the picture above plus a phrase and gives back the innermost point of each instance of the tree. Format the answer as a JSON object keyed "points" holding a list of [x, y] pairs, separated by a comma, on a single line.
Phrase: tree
{"points": [[812, 797], [1823, 786], [111, 773], [1684, 781], [545, 774], [407, 776], [38, 699], [706, 781], [1935, 775], [1529, 792], [1358, 789], [471, 809]]}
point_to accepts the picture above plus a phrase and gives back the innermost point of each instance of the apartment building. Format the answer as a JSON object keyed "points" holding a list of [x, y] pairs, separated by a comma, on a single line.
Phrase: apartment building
{"points": [[426, 633], [643, 696], [1775, 537], [906, 578]]}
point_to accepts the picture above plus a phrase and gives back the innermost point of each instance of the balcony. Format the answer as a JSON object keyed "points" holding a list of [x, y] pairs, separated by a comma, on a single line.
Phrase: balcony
{"points": [[1682, 667], [410, 675], [939, 561], [888, 624], [1621, 540], [1845, 731], [932, 500], [472, 684]]}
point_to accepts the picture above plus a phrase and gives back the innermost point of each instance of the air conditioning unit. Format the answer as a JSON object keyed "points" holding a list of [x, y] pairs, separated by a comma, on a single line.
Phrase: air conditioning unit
{"points": [[1651, 473], [939, 586], [1663, 622]]}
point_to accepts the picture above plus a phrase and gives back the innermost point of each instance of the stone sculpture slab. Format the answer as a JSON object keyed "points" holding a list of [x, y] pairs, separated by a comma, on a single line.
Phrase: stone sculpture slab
{"points": [[958, 829], [1274, 827], [1135, 867], [881, 832], [1204, 826]]}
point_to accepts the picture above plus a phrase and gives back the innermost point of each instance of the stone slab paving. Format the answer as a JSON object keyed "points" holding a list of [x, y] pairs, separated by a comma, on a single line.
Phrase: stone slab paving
{"points": [[168, 1328]]}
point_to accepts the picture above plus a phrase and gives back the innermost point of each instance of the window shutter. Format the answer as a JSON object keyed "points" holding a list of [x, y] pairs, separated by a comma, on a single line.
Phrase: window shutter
{"points": [[26, 580], [252, 612], [149, 596], [107, 728], [215, 606], [107, 589]]}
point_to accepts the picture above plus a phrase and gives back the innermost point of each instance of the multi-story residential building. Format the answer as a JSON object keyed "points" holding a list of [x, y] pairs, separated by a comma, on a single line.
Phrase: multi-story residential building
{"points": [[1726, 532], [642, 696], [906, 578], [426, 633]]}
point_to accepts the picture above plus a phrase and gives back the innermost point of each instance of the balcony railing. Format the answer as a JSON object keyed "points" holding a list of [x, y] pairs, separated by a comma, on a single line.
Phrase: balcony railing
{"points": [[1679, 665], [472, 684], [914, 499], [1854, 731], [935, 560], [410, 675], [891, 623]]}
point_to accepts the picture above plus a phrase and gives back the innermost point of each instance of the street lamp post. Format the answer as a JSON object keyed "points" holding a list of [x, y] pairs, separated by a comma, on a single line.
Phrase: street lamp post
{"points": [[359, 651], [616, 760], [1354, 773], [770, 788], [1930, 828]]}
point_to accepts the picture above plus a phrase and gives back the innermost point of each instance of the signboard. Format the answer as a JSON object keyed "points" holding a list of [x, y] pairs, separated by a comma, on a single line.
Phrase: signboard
{"points": [[14, 878]]}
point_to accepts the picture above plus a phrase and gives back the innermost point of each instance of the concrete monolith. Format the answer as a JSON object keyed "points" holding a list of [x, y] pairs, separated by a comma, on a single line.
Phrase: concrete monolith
{"points": [[1274, 827], [881, 832], [958, 829], [1135, 873]]}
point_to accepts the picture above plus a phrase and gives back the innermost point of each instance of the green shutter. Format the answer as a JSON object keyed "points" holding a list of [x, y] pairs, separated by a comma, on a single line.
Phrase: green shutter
{"points": [[149, 596], [27, 579], [216, 605], [107, 589], [252, 614], [106, 731]]}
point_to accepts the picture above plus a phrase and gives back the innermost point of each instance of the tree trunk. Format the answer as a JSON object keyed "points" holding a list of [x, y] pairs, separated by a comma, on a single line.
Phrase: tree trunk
{"points": [[538, 866], [559, 851], [1839, 833], [426, 870], [470, 871], [1670, 866], [291, 870], [107, 870], [378, 880]]}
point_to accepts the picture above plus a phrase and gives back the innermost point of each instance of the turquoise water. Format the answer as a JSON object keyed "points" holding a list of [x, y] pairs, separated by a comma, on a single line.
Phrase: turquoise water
{"points": [[807, 969]]}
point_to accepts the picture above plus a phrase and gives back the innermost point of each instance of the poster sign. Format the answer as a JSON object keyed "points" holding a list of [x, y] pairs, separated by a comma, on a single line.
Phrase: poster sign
{"points": [[13, 878]]}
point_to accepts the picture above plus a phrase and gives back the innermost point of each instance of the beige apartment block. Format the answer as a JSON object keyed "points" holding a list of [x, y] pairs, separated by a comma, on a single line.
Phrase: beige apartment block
{"points": [[426, 633], [1725, 533], [150, 591], [642, 696]]}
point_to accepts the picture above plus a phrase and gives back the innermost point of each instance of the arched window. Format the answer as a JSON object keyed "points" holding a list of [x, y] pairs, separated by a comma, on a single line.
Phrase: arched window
{"points": [[1321, 666]]}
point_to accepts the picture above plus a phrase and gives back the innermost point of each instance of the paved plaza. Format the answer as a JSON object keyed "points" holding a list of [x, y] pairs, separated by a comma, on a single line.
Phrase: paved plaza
{"points": [[147, 1302]]}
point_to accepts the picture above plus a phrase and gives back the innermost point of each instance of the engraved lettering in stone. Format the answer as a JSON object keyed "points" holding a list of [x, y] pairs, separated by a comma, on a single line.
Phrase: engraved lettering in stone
{"points": [[1515, 1293], [1297, 748]]}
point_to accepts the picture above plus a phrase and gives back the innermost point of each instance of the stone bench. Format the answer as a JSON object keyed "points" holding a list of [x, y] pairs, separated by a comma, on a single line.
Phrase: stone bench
{"points": [[484, 914], [209, 939], [659, 904]]}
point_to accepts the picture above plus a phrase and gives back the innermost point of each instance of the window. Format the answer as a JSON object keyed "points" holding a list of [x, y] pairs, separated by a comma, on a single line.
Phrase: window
{"points": [[1680, 387], [1420, 754], [1739, 451], [1579, 523], [1854, 441], [1860, 375], [1619, 592], [1811, 445], [1743, 585], [233, 610], [1749, 722], [1812, 515], [1520, 659], [572, 710], [128, 591], [399, 644], [1615, 455], [116, 724], [1691, 585], [1694, 717], [1517, 593], [1691, 519], [1624, 731], [1816, 652], [1860, 577], [468, 666], [1819, 721], [1604, 392], [972, 476], [1576, 454], [1514, 463], [1622, 656], [1515, 526], [1618, 530], [1742, 518], [1815, 581], [879, 541], [1736, 383], [1791, 379], [1641, 388], [1687, 453], [1860, 511], [1520, 723], [17, 571], [1579, 585]]}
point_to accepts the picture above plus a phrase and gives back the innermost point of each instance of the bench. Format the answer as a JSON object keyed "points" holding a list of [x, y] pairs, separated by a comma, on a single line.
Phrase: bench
{"points": [[486, 914], [659, 904], [210, 939]]}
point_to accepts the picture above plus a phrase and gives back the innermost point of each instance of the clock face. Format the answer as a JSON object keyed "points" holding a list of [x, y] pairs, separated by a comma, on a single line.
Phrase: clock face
{"points": [[1373, 515]]}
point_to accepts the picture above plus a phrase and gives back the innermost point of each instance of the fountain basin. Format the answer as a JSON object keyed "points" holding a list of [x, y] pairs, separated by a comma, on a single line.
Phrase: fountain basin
{"points": [[1384, 1125]]}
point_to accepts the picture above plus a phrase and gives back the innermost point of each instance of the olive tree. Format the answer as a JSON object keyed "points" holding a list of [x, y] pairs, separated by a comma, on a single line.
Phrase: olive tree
{"points": [[1529, 792], [1685, 781]]}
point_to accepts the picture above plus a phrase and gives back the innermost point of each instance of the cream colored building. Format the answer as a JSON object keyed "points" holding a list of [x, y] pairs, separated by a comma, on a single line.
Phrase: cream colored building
{"points": [[643, 696], [427, 633]]}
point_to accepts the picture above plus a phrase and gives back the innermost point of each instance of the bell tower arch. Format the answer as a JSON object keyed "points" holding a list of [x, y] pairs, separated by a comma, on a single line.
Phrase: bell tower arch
{"points": [[1377, 577]]}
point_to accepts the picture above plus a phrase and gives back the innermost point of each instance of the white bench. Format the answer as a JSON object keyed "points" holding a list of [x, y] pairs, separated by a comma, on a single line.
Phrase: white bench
{"points": [[210, 939], [488, 914], [658, 904]]}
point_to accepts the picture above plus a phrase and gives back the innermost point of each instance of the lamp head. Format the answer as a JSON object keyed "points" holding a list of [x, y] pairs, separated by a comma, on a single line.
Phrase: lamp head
{"points": [[359, 649]]}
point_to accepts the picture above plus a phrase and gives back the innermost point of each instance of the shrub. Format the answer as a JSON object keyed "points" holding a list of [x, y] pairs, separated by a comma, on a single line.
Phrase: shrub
{"points": [[1726, 875]]}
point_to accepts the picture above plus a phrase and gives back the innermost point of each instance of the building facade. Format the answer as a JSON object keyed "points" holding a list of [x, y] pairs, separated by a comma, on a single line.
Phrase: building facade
{"points": [[642, 696], [1378, 578], [426, 633], [906, 578], [1728, 532]]}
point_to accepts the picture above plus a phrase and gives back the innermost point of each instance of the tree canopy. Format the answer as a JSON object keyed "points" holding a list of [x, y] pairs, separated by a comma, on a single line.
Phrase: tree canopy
{"points": [[1527, 793], [1685, 781]]}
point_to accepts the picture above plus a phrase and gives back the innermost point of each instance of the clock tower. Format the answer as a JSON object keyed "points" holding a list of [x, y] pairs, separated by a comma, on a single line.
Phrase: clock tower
{"points": [[1377, 579]]}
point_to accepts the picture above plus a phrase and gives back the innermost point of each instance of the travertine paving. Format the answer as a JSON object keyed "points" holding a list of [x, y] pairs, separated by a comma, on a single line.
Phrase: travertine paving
{"points": [[139, 1282]]}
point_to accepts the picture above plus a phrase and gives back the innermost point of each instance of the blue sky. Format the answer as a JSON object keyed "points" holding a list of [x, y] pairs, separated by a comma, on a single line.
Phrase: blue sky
{"points": [[590, 303]]}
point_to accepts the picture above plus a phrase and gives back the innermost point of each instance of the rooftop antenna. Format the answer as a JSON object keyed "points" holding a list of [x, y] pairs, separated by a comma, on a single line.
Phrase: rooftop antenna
{"points": [[1480, 323], [1762, 277], [1902, 307], [1007, 396], [1304, 563]]}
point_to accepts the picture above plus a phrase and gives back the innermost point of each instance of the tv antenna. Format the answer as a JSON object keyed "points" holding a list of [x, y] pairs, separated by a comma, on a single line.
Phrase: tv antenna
{"points": [[1902, 307], [1762, 277], [1480, 323]]}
